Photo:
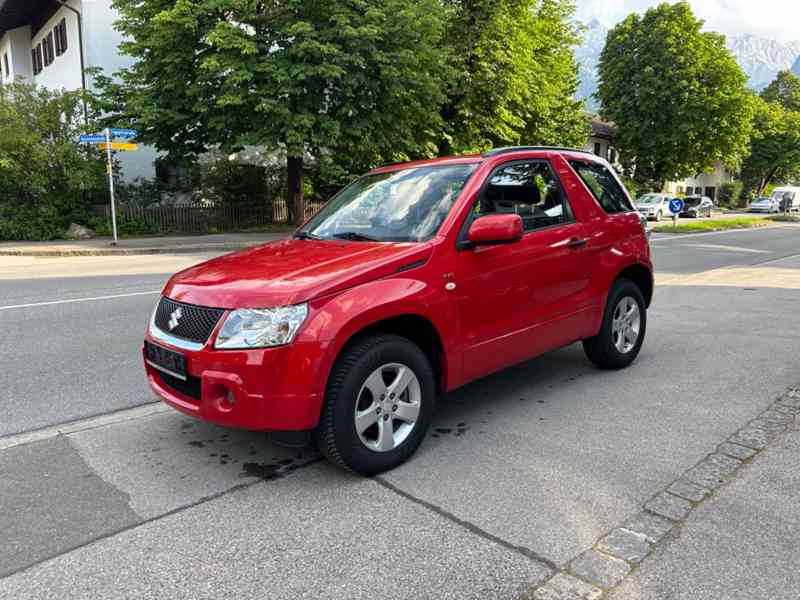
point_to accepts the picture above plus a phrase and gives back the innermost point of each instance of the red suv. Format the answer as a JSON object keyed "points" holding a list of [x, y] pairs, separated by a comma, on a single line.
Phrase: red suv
{"points": [[412, 281]]}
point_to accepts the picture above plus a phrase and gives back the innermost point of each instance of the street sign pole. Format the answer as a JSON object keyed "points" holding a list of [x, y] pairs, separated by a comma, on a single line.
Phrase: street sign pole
{"points": [[111, 186]]}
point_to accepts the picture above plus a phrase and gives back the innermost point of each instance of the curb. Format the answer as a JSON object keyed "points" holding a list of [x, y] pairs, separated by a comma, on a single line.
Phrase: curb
{"points": [[601, 568], [227, 247]]}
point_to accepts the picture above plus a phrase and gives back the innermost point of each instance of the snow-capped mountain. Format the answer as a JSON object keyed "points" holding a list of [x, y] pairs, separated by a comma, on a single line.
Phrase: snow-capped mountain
{"points": [[760, 58]]}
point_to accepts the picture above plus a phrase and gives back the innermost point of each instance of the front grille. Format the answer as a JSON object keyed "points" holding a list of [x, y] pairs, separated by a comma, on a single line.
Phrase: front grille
{"points": [[189, 388], [195, 323]]}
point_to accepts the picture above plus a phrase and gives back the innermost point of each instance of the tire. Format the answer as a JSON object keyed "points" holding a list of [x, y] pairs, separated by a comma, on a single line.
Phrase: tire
{"points": [[367, 365], [602, 349]]}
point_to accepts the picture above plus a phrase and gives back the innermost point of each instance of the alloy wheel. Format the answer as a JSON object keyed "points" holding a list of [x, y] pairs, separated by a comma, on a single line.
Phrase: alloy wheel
{"points": [[387, 407], [626, 324]]}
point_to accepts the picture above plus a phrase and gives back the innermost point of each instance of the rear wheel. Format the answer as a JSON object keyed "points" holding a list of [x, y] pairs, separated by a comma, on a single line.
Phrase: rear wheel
{"points": [[378, 405], [622, 332]]}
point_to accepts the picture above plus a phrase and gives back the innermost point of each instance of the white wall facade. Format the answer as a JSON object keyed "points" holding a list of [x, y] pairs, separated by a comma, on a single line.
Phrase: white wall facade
{"points": [[15, 46], [706, 184], [100, 43], [65, 71]]}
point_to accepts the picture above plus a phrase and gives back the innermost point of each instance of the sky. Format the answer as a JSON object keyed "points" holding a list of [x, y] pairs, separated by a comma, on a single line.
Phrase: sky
{"points": [[774, 19]]}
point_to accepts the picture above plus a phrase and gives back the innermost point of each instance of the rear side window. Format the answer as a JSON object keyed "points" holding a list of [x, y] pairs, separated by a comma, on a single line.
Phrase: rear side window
{"points": [[603, 185], [528, 189]]}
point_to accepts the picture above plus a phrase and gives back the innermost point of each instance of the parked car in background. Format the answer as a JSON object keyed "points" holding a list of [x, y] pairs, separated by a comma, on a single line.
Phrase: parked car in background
{"points": [[788, 198], [412, 281], [654, 206], [765, 205], [697, 206]]}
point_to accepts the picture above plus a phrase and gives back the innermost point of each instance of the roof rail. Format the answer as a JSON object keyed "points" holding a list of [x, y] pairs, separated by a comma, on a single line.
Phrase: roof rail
{"points": [[507, 149]]}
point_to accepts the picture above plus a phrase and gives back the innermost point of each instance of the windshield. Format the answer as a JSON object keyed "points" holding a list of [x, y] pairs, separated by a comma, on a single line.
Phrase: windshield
{"points": [[649, 199], [400, 206], [691, 201]]}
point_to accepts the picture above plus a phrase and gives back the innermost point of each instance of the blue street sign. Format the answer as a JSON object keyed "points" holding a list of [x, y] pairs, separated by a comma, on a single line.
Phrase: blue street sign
{"points": [[676, 206], [124, 133], [92, 137]]}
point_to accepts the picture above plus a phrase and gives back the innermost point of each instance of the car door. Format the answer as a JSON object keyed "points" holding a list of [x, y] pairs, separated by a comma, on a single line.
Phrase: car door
{"points": [[507, 293]]}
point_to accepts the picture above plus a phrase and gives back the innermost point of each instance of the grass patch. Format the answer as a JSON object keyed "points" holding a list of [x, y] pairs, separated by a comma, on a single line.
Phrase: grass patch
{"points": [[784, 218], [701, 225]]}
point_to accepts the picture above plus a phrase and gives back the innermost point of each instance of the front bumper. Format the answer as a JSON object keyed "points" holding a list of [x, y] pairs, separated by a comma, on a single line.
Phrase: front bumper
{"points": [[268, 389]]}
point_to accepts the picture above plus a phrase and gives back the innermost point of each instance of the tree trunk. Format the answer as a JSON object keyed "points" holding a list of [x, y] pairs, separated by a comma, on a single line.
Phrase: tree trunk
{"points": [[295, 203]]}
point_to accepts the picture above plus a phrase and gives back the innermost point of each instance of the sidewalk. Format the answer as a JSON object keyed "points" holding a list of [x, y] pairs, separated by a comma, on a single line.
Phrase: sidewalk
{"points": [[144, 245]]}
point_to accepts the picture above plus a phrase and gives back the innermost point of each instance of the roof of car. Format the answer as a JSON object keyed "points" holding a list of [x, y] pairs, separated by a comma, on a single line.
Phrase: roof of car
{"points": [[478, 158]]}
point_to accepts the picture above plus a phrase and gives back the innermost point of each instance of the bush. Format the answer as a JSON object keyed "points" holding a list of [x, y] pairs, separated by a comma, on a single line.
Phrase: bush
{"points": [[730, 194], [46, 177]]}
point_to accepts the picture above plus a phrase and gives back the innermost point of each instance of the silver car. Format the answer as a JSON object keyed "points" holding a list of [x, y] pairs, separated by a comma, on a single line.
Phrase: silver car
{"points": [[765, 205], [654, 206]]}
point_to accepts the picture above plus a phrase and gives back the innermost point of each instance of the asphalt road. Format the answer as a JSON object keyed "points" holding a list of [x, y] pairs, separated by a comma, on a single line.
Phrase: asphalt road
{"points": [[521, 472]]}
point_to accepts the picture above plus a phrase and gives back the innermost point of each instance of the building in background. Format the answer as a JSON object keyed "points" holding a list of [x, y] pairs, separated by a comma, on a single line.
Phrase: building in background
{"points": [[703, 184], [601, 140], [41, 42]]}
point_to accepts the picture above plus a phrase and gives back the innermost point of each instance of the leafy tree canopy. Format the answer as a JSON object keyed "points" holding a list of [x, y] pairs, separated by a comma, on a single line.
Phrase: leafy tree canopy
{"points": [[775, 151], [515, 75], [677, 95], [303, 75], [785, 90]]}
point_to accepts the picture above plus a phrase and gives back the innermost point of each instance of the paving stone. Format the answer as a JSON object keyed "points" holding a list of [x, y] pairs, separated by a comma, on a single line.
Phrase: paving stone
{"points": [[751, 437], [565, 587], [791, 398], [736, 451], [652, 527], [725, 464], [766, 425], [669, 506], [625, 544], [788, 410], [776, 416], [706, 475], [687, 489], [600, 569]]}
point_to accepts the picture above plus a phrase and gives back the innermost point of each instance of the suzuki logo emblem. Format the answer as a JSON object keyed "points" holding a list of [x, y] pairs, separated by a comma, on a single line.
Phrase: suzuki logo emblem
{"points": [[174, 317]]}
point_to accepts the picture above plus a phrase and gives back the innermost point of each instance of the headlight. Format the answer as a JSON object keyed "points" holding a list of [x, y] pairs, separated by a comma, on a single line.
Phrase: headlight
{"points": [[261, 328]]}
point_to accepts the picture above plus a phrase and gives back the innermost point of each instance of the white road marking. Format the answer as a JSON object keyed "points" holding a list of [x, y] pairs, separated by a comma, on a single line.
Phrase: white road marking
{"points": [[728, 248], [663, 237], [73, 300], [139, 412]]}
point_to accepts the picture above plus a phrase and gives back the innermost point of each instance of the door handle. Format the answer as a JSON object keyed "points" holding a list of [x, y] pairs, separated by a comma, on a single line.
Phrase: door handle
{"points": [[577, 243]]}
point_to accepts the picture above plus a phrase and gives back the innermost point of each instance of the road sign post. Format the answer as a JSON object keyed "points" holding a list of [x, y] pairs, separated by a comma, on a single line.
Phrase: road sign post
{"points": [[104, 141], [111, 186], [675, 207]]}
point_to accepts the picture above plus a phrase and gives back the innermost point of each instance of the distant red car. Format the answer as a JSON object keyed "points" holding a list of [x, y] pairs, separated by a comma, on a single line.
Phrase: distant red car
{"points": [[412, 281]]}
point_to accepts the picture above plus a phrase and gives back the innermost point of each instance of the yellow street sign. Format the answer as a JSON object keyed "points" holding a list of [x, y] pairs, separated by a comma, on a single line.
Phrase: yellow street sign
{"points": [[120, 146]]}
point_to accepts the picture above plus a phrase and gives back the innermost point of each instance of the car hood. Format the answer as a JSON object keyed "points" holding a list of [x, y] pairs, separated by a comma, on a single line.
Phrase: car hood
{"points": [[289, 272]]}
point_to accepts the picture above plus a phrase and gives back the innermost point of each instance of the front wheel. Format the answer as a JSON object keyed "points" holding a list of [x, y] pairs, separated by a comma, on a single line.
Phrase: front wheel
{"points": [[622, 332], [378, 405]]}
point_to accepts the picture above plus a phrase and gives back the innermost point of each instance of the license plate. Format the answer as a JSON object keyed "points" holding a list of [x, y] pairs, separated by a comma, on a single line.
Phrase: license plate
{"points": [[166, 360]]}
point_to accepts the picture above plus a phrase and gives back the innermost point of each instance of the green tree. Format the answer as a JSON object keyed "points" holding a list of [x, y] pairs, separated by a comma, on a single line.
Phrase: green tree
{"points": [[785, 90], [515, 75], [677, 95], [306, 76], [46, 178], [775, 149]]}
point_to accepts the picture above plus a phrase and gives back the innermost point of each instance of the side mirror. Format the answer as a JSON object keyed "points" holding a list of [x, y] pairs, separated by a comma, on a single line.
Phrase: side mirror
{"points": [[492, 230]]}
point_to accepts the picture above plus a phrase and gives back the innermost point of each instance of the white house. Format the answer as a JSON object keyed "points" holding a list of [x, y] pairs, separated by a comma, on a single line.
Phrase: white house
{"points": [[706, 184], [52, 42]]}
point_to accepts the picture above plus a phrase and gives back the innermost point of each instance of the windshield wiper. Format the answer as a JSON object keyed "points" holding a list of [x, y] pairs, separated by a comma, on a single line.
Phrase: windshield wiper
{"points": [[354, 236], [304, 235]]}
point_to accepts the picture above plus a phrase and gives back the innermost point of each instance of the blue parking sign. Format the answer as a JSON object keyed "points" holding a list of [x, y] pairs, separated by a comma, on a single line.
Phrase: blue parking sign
{"points": [[676, 206]]}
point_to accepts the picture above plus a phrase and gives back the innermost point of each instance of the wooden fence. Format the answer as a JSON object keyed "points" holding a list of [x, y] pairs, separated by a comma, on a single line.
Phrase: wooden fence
{"points": [[204, 219]]}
